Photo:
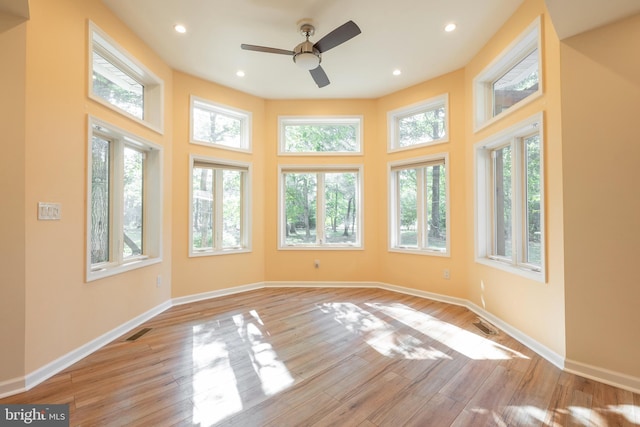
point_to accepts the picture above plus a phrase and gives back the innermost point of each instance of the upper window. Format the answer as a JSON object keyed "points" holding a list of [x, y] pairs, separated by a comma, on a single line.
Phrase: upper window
{"points": [[419, 205], [320, 135], [418, 125], [215, 124], [119, 81], [511, 80], [124, 201], [219, 207], [510, 211], [320, 207]]}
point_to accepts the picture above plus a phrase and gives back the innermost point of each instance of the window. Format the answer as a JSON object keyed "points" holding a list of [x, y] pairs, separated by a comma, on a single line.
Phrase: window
{"points": [[214, 124], [320, 135], [419, 125], [320, 207], [419, 205], [510, 81], [219, 207], [120, 82], [510, 214], [124, 194]]}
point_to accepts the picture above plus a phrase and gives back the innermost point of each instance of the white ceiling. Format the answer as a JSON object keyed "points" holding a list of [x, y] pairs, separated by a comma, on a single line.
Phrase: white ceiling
{"points": [[404, 34]]}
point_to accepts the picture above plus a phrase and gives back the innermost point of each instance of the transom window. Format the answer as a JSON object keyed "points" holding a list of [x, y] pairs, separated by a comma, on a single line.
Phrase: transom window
{"points": [[511, 80], [122, 83], [419, 125], [419, 207], [223, 126], [124, 194], [320, 135], [220, 206], [510, 222], [320, 207]]}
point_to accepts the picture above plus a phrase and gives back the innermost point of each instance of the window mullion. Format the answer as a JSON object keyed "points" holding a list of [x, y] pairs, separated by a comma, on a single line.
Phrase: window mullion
{"points": [[218, 220], [421, 210], [517, 201], [320, 209], [117, 201]]}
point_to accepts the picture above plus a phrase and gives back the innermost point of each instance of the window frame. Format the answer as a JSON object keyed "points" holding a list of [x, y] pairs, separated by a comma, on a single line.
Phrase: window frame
{"points": [[245, 118], [320, 169], [246, 233], [483, 97], [394, 207], [153, 86], [484, 209], [152, 201], [283, 121], [395, 116]]}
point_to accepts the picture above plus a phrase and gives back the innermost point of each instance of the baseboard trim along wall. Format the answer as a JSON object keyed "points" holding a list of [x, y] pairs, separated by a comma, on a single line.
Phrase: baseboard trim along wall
{"points": [[18, 385]]}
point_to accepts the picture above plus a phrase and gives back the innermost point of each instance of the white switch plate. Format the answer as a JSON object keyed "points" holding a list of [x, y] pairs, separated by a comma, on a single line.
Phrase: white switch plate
{"points": [[49, 211]]}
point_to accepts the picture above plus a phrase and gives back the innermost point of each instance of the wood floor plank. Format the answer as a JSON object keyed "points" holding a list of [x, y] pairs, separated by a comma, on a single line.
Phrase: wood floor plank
{"points": [[325, 356]]}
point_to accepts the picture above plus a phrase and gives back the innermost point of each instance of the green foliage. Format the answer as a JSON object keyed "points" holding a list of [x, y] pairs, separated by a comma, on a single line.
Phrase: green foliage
{"points": [[422, 127], [320, 138]]}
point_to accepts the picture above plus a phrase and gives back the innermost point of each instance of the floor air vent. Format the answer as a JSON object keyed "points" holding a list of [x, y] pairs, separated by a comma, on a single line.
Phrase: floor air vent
{"points": [[486, 329], [138, 334]]}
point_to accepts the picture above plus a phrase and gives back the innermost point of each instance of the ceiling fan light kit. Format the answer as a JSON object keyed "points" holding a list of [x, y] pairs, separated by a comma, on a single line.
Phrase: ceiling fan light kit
{"points": [[308, 55]]}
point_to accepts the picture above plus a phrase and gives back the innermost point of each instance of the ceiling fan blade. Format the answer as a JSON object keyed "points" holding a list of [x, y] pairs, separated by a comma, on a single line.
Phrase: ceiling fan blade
{"points": [[338, 36], [266, 49], [319, 76]]}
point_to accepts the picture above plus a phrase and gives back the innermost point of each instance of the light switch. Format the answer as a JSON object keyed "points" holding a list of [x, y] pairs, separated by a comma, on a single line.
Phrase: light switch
{"points": [[49, 211]]}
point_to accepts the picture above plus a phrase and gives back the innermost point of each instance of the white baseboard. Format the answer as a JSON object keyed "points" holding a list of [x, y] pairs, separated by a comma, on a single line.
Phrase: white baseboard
{"points": [[50, 369], [18, 385], [216, 294], [602, 375], [12, 386]]}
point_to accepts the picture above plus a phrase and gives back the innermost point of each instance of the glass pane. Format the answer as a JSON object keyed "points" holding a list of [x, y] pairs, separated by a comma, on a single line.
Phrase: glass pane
{"points": [[217, 128], [232, 209], [100, 200], [518, 83], [423, 127], [533, 236], [300, 208], [341, 226], [436, 208], [408, 217], [321, 138], [202, 209], [133, 198], [502, 202], [117, 88]]}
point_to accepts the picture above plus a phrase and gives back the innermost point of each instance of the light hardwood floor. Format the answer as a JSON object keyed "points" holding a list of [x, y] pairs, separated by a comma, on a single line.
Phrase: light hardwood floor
{"points": [[311, 356]]}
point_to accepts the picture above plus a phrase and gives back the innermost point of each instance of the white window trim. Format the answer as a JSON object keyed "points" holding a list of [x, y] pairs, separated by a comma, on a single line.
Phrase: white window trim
{"points": [[483, 209], [153, 104], [522, 46], [321, 169], [153, 197], [283, 121], [245, 118], [394, 117], [393, 204], [246, 201]]}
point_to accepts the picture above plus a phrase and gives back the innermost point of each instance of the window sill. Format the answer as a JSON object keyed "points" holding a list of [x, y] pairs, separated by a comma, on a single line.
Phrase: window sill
{"points": [[320, 248], [112, 270], [196, 254], [414, 251], [538, 276]]}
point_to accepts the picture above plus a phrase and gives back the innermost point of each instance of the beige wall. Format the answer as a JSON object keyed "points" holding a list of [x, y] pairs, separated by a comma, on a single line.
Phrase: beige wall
{"points": [[63, 312], [12, 194], [342, 266], [537, 309], [210, 273], [424, 272], [601, 149]]}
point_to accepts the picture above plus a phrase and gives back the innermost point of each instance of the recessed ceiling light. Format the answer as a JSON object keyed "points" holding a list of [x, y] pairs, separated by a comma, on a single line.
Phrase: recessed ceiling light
{"points": [[240, 73], [397, 72], [450, 27], [180, 28]]}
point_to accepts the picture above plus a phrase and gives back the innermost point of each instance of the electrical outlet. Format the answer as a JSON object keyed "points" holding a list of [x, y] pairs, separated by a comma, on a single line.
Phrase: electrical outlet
{"points": [[158, 281], [49, 211], [446, 274], [316, 263]]}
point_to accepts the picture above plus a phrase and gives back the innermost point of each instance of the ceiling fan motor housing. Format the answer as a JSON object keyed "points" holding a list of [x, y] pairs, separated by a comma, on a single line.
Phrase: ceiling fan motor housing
{"points": [[307, 56]]}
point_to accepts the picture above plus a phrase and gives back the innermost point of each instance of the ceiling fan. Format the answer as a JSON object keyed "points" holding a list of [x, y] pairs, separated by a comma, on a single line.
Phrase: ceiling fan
{"points": [[308, 55]]}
